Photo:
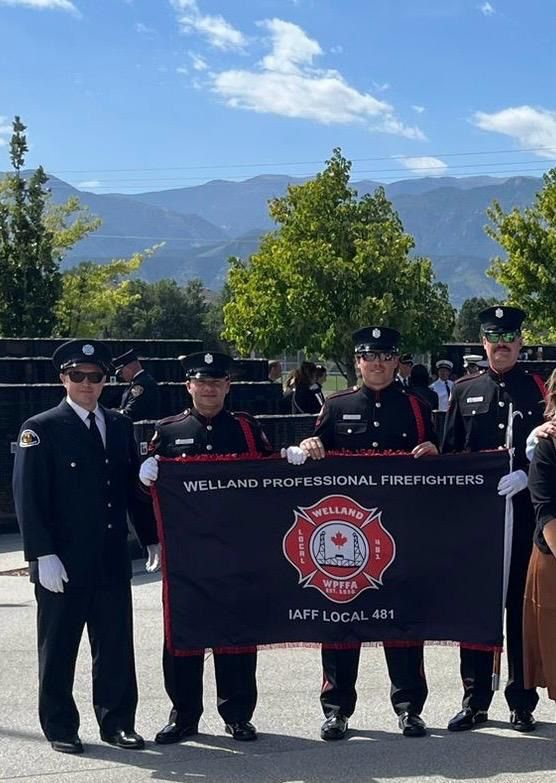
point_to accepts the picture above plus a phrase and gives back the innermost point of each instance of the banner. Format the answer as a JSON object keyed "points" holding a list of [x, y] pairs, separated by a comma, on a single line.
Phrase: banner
{"points": [[346, 550]]}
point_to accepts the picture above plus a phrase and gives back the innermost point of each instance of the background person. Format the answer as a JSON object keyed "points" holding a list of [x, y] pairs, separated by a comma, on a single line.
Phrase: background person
{"points": [[419, 384], [307, 394], [443, 385], [75, 479], [141, 398]]}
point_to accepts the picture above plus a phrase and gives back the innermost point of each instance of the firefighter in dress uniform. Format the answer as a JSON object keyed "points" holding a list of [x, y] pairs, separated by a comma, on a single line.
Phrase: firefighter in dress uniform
{"points": [[207, 428], [385, 416], [75, 479], [477, 419], [140, 399]]}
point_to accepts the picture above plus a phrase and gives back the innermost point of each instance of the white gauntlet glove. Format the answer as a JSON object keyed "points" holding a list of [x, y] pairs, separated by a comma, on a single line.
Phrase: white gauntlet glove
{"points": [[52, 573], [153, 561], [148, 473], [294, 455], [512, 483]]}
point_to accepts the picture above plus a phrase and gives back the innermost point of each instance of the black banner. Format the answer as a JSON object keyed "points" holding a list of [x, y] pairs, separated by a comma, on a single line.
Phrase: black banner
{"points": [[345, 550]]}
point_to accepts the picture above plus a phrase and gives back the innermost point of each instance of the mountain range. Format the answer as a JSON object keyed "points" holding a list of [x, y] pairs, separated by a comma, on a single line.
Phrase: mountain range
{"points": [[202, 226]]}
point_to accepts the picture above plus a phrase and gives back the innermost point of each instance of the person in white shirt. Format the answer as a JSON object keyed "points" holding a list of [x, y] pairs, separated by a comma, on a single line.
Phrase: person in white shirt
{"points": [[443, 385]]}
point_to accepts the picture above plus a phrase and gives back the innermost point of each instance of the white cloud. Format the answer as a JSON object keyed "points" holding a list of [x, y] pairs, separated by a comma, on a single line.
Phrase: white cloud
{"points": [[199, 63], [487, 9], [425, 166], [60, 5], [183, 70], [143, 29], [529, 127], [218, 32], [418, 109], [286, 83], [89, 183], [5, 131]]}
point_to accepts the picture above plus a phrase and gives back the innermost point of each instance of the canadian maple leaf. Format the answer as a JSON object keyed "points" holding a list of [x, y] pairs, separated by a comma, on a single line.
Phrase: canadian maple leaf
{"points": [[339, 539]]}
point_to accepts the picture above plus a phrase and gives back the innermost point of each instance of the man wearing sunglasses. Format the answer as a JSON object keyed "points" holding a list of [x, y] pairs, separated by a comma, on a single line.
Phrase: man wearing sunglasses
{"points": [[477, 419], [384, 416], [74, 483]]}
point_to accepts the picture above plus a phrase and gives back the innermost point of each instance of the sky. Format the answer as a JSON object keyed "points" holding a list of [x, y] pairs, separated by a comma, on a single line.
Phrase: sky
{"points": [[137, 95]]}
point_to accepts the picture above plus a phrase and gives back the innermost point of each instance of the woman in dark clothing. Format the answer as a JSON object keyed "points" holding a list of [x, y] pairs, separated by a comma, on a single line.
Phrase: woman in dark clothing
{"points": [[307, 395], [419, 384], [539, 608]]}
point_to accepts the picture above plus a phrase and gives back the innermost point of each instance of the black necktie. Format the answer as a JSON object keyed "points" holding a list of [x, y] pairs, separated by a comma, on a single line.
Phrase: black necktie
{"points": [[448, 392], [94, 430]]}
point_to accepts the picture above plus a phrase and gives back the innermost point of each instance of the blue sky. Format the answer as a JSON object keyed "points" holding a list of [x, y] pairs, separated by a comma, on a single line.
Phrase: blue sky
{"points": [[132, 95]]}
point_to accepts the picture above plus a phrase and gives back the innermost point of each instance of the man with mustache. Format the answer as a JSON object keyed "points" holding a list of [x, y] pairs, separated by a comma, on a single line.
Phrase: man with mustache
{"points": [[477, 419]]}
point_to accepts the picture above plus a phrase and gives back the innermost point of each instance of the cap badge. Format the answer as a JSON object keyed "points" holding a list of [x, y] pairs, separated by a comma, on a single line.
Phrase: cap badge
{"points": [[376, 333], [209, 358], [499, 312], [88, 349]]}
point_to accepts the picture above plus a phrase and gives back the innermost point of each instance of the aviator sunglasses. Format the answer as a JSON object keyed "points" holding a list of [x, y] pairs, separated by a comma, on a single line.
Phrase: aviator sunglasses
{"points": [[77, 376], [502, 337], [374, 356]]}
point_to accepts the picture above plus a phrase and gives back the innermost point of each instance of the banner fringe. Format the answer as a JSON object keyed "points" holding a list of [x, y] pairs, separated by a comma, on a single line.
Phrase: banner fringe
{"points": [[335, 646]]}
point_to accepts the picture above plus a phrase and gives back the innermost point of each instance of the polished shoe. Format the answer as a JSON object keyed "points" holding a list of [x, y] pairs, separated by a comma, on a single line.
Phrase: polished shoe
{"points": [[334, 727], [412, 725], [522, 720], [67, 746], [242, 731], [129, 740], [175, 732], [467, 718]]}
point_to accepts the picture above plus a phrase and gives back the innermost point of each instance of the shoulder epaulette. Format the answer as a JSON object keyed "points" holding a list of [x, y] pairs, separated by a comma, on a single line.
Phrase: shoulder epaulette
{"points": [[343, 392], [468, 378], [172, 419], [244, 415]]}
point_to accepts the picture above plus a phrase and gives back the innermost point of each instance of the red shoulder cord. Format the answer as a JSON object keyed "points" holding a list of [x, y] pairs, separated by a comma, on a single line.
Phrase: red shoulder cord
{"points": [[248, 434], [417, 412]]}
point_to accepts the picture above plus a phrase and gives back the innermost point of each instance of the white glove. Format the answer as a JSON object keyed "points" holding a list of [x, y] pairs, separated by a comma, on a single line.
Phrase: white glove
{"points": [[512, 483], [294, 455], [148, 473], [52, 573], [153, 561]]}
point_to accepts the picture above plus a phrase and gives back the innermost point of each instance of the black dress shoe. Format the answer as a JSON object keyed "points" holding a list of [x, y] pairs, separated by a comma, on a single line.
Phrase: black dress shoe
{"points": [[67, 746], [467, 718], [175, 732], [521, 720], [242, 731], [334, 727], [129, 740], [412, 725]]}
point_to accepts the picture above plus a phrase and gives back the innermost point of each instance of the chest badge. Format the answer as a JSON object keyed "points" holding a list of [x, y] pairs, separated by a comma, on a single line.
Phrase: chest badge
{"points": [[475, 399], [184, 441]]}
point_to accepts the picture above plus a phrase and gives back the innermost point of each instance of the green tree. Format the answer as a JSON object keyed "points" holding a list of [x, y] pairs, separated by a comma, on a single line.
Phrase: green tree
{"points": [[163, 310], [92, 295], [528, 271], [334, 264], [32, 238], [467, 329]]}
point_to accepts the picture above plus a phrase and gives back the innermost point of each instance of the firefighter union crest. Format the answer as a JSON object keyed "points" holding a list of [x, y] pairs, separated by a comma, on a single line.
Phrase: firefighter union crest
{"points": [[339, 547]]}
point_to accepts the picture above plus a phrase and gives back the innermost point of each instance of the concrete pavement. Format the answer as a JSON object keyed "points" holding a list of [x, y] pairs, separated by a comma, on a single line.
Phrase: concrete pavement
{"points": [[288, 717]]}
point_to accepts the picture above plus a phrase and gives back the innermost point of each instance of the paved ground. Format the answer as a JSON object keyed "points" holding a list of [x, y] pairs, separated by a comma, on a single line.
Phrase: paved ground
{"points": [[287, 717]]}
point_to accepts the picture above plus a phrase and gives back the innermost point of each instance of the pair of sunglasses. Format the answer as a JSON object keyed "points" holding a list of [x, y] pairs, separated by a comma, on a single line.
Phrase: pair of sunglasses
{"points": [[374, 356], [502, 337], [77, 376]]}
